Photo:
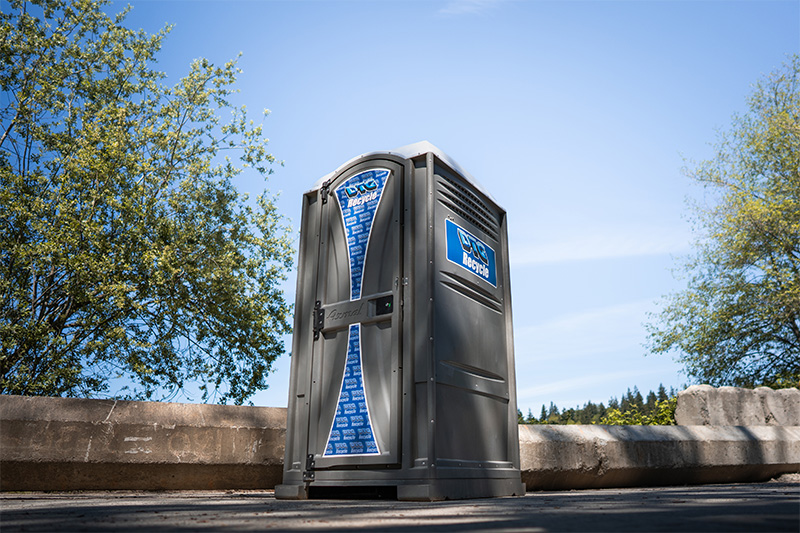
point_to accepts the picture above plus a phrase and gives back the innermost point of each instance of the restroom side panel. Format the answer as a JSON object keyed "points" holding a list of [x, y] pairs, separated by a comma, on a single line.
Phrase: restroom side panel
{"points": [[471, 347]]}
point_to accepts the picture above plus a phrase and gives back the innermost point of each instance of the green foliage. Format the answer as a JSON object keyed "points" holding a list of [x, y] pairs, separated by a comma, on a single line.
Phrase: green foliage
{"points": [[662, 414], [126, 250], [632, 409], [738, 320]]}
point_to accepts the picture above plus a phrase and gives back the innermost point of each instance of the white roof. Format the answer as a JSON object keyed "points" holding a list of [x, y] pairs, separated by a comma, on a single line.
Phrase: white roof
{"points": [[407, 152]]}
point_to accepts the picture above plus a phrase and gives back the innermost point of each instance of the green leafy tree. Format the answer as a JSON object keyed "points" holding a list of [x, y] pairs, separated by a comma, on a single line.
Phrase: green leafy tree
{"points": [[125, 249], [738, 320]]}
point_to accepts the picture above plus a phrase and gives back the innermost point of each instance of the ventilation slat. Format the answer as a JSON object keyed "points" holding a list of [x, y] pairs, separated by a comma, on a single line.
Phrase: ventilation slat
{"points": [[467, 205]]}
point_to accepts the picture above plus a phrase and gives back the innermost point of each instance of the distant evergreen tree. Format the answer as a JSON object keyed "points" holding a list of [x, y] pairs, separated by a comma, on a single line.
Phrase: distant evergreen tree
{"points": [[553, 415], [601, 412], [662, 393], [585, 414], [637, 399], [625, 403], [650, 404], [633, 408]]}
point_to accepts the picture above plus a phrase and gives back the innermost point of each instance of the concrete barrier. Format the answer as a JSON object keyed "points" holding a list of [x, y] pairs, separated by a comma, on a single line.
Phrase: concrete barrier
{"points": [[704, 405], [581, 457], [75, 444]]}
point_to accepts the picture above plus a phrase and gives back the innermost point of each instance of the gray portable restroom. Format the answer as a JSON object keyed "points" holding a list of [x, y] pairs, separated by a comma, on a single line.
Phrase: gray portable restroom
{"points": [[402, 373]]}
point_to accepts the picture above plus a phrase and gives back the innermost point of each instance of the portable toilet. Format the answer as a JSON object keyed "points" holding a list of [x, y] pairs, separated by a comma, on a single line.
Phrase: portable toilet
{"points": [[402, 366]]}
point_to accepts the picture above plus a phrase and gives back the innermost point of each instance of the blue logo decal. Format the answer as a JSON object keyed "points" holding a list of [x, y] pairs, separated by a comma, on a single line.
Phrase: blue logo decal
{"points": [[470, 253], [368, 185]]}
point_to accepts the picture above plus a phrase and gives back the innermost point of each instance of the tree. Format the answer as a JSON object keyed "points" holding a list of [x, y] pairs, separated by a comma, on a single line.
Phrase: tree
{"points": [[627, 400], [126, 251], [636, 398], [738, 320], [662, 393], [650, 404], [553, 414]]}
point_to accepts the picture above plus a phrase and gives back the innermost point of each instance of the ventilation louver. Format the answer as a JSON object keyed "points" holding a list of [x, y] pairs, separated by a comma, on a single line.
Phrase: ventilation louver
{"points": [[467, 205]]}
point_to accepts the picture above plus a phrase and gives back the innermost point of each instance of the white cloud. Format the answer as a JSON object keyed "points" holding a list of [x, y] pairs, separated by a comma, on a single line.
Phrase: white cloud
{"points": [[468, 7], [601, 244], [588, 355], [555, 388], [595, 331]]}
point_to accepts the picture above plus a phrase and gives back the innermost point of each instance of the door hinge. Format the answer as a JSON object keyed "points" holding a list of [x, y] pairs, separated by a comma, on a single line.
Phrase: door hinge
{"points": [[319, 319], [324, 191], [308, 473]]}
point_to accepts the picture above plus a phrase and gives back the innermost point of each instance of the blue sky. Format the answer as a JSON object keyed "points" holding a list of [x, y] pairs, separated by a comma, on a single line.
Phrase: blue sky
{"points": [[577, 117]]}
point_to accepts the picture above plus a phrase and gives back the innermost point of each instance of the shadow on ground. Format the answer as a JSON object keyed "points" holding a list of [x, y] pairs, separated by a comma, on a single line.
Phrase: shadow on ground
{"points": [[773, 506]]}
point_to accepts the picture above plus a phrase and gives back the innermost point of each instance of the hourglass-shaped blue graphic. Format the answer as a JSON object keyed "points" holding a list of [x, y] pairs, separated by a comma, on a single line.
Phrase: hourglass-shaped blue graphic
{"points": [[351, 432]]}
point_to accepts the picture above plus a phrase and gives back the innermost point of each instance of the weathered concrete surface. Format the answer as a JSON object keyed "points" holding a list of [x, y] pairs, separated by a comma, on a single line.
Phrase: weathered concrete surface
{"points": [[703, 405], [709, 508], [73, 444], [578, 457]]}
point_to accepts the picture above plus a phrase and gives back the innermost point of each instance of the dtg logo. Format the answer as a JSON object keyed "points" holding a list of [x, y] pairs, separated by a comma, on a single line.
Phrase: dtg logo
{"points": [[361, 193], [361, 188], [472, 246], [469, 252]]}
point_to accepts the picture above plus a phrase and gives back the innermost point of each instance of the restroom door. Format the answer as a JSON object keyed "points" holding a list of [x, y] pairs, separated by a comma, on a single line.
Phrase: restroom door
{"points": [[356, 376]]}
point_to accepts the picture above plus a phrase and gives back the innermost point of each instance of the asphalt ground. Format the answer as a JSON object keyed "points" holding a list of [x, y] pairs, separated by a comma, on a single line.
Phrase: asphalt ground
{"points": [[751, 507]]}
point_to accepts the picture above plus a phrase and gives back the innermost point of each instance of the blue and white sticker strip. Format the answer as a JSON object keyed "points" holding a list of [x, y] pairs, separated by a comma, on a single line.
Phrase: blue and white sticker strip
{"points": [[351, 432], [359, 197], [469, 252]]}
